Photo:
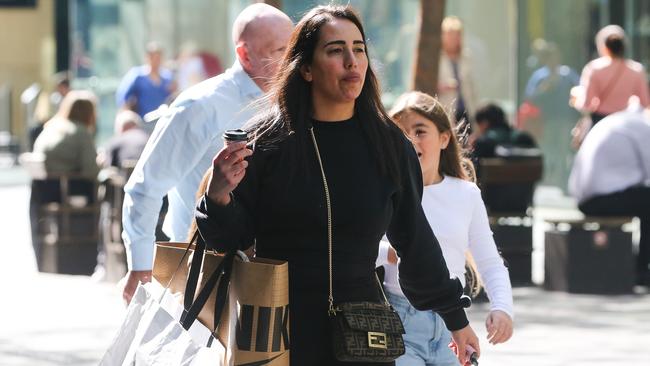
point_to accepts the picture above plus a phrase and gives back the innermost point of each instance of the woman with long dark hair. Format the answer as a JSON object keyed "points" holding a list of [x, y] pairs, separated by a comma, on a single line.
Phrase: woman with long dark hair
{"points": [[326, 119]]}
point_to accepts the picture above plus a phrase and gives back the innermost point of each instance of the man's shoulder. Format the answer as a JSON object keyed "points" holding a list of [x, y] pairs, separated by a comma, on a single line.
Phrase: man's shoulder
{"points": [[218, 89]]}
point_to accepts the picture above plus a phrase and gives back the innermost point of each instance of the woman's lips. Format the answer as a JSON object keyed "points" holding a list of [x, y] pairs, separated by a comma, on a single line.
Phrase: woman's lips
{"points": [[352, 77]]}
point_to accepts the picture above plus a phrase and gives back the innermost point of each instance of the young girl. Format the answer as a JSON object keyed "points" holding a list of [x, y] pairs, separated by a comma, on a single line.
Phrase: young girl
{"points": [[457, 215]]}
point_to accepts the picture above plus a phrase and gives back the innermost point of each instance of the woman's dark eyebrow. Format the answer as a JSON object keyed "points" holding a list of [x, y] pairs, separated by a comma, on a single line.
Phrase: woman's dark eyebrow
{"points": [[342, 42]]}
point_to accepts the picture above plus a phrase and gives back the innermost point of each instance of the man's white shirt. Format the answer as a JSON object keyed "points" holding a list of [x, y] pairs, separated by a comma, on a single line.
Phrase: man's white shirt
{"points": [[177, 155]]}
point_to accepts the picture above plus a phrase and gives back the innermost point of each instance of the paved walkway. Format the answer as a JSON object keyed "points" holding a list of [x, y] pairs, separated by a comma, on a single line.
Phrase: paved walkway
{"points": [[69, 320]]}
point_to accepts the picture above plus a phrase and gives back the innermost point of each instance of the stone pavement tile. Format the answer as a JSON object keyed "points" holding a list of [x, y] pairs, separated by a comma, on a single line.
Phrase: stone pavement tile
{"points": [[57, 320], [558, 329]]}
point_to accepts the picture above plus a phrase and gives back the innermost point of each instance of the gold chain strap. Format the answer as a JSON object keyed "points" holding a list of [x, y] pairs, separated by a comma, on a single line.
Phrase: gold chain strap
{"points": [[332, 310]]}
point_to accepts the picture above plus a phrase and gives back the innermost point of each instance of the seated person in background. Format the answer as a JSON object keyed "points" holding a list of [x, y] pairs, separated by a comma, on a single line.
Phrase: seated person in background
{"points": [[128, 142], [495, 138], [67, 146], [494, 130], [67, 139], [611, 174]]}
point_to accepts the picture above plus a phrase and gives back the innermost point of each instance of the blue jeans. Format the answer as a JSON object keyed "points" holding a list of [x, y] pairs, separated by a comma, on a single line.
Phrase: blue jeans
{"points": [[427, 338]]}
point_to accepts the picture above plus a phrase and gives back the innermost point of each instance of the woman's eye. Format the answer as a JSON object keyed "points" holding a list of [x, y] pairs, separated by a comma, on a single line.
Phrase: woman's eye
{"points": [[420, 132], [335, 50], [360, 50]]}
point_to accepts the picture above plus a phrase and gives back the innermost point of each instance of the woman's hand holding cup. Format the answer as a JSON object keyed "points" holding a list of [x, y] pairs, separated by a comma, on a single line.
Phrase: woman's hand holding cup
{"points": [[228, 169]]}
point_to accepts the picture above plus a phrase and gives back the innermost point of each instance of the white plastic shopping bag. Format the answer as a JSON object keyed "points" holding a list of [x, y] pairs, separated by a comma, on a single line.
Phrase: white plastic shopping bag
{"points": [[152, 335]]}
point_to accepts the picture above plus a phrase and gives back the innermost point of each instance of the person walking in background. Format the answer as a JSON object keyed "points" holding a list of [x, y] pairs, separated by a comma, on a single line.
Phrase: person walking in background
{"points": [[611, 174], [67, 142], [608, 82], [189, 67], [326, 127], [144, 88], [181, 150], [549, 89], [456, 87], [454, 209]]}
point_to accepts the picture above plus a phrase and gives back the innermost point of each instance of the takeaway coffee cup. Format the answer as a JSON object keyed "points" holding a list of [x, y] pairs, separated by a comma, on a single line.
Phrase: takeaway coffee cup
{"points": [[232, 136]]}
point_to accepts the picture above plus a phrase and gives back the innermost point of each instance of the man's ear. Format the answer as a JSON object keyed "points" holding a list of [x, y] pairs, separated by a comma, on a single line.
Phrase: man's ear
{"points": [[242, 55], [305, 71]]}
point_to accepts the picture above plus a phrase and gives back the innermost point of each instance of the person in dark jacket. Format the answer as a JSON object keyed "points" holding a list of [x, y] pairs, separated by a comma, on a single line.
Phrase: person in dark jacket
{"points": [[494, 130], [497, 139], [273, 195]]}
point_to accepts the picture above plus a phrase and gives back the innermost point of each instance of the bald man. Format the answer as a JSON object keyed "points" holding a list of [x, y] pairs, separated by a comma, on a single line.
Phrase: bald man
{"points": [[185, 140]]}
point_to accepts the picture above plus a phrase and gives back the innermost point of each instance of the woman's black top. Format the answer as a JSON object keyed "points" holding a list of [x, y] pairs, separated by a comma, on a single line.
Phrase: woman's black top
{"points": [[283, 211]]}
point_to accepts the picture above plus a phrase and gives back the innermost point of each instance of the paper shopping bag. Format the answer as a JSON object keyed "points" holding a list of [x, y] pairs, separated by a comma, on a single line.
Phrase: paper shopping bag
{"points": [[260, 288], [152, 335]]}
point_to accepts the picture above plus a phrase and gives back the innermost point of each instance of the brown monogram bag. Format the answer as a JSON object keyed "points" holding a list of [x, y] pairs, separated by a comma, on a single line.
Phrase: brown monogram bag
{"points": [[361, 331]]}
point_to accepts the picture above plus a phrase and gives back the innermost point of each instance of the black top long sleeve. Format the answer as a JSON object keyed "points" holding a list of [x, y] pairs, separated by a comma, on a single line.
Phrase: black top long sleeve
{"points": [[285, 215]]}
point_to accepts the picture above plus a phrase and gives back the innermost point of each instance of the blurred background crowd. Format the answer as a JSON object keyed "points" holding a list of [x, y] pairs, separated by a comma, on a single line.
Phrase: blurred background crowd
{"points": [[522, 55]]}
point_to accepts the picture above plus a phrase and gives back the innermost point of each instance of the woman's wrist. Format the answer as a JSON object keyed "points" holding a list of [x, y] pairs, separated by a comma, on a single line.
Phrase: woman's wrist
{"points": [[221, 200]]}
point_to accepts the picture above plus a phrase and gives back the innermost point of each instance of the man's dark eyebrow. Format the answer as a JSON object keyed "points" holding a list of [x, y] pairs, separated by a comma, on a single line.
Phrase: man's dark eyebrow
{"points": [[342, 42]]}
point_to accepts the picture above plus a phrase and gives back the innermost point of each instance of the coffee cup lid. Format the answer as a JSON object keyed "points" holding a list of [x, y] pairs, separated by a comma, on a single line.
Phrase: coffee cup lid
{"points": [[235, 135]]}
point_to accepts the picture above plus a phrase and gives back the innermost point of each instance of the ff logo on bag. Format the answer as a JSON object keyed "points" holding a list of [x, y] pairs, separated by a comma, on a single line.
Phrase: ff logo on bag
{"points": [[269, 321]]}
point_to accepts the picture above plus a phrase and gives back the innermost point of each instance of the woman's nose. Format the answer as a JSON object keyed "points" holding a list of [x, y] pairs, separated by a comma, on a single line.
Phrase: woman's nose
{"points": [[350, 60]]}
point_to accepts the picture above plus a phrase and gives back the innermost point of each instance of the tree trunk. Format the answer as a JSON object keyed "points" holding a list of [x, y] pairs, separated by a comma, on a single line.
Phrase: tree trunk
{"points": [[427, 52], [275, 3]]}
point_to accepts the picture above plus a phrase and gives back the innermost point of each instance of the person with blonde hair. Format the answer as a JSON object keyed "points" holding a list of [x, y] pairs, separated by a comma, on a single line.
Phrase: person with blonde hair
{"points": [[453, 207], [67, 141]]}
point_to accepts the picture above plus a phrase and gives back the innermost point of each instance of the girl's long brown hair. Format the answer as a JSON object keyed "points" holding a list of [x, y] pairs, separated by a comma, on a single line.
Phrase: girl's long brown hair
{"points": [[453, 163], [203, 187]]}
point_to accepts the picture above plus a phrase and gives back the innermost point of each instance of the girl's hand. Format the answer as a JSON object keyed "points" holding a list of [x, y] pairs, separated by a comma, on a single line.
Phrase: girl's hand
{"points": [[499, 327], [464, 342]]}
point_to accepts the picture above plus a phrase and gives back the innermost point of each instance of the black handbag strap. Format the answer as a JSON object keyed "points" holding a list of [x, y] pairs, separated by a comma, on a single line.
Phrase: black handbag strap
{"points": [[195, 270], [219, 280]]}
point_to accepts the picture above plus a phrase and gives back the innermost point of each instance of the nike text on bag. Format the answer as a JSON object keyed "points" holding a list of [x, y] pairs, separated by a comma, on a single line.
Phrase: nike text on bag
{"points": [[260, 289]]}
